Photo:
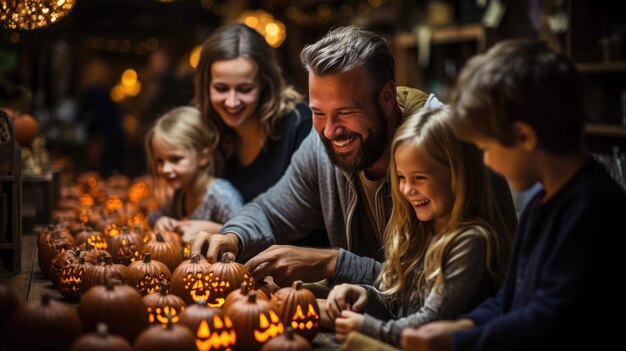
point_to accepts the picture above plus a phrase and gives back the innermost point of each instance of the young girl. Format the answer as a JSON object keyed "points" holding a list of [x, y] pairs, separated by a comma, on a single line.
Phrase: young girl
{"points": [[446, 245], [180, 151]]}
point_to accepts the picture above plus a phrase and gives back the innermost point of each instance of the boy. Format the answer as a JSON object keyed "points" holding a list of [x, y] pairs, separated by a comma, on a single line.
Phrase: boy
{"points": [[521, 103]]}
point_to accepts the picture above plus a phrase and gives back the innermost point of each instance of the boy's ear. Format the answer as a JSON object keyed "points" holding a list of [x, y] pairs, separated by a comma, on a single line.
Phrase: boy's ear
{"points": [[204, 157], [526, 135]]}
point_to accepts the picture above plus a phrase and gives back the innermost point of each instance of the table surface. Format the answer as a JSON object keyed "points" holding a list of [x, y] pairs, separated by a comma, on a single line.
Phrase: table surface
{"points": [[30, 285]]}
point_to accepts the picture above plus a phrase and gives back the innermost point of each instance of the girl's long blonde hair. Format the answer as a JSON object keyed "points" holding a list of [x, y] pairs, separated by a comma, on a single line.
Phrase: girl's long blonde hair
{"points": [[413, 246], [181, 126]]}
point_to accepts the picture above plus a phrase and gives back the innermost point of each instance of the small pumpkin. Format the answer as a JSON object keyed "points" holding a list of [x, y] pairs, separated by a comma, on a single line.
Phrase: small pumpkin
{"points": [[91, 237], [126, 247], [102, 272], [298, 308], [163, 307], [120, 306], [164, 251], [288, 341], [190, 280], [255, 322], [101, 340], [242, 294], [43, 324], [172, 337], [58, 242], [146, 275], [212, 328], [226, 276], [71, 277], [59, 262]]}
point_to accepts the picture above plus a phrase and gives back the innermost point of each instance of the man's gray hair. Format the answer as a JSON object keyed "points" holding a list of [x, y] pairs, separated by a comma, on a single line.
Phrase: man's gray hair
{"points": [[346, 48]]}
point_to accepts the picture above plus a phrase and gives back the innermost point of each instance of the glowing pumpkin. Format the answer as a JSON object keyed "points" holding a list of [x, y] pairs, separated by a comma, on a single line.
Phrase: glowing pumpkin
{"points": [[190, 280], [126, 247], [289, 340], [298, 308], [146, 275], [163, 307], [212, 328], [71, 277], [255, 322], [226, 276], [164, 251]]}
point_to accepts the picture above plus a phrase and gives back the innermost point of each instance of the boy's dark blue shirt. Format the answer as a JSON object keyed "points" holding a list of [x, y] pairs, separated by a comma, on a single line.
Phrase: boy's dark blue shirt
{"points": [[560, 291]]}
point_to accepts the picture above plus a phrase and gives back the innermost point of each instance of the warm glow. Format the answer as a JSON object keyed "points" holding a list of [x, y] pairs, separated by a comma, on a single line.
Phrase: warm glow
{"points": [[268, 330], [194, 56], [273, 30], [33, 14], [129, 77]]}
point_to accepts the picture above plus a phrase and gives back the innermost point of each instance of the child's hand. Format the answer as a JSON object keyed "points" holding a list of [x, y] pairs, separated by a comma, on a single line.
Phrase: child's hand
{"points": [[345, 297], [190, 228], [348, 321], [165, 223], [433, 336]]}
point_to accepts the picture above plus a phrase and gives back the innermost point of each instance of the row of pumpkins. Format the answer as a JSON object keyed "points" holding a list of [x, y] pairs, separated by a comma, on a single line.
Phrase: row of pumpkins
{"points": [[115, 315], [110, 268]]}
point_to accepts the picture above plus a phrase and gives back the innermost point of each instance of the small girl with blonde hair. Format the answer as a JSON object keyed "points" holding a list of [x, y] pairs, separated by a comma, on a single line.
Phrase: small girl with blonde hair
{"points": [[180, 149], [446, 244]]}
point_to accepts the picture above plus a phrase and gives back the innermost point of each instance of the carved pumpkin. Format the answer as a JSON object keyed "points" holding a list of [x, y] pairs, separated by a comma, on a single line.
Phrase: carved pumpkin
{"points": [[288, 341], [226, 276], [298, 308], [119, 306], [99, 274], [163, 251], [163, 307], [146, 275], [112, 229], [212, 328], [93, 254], [93, 238], [172, 337], [101, 341], [191, 281], [126, 247], [59, 262], [43, 324], [185, 250], [25, 128], [255, 322], [71, 277], [242, 294], [58, 242]]}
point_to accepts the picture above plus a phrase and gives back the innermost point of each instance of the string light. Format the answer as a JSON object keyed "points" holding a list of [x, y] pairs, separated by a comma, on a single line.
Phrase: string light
{"points": [[33, 14], [271, 29]]}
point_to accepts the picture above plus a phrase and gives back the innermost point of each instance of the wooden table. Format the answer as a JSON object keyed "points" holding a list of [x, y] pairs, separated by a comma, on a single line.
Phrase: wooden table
{"points": [[30, 285]]}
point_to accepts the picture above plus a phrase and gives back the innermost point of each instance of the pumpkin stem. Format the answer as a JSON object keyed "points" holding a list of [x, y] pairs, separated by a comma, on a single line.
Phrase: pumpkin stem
{"points": [[146, 258], [297, 284], [164, 287], [245, 289], [81, 260], [108, 260], [159, 237], [228, 257], [195, 259], [289, 333], [252, 297]]}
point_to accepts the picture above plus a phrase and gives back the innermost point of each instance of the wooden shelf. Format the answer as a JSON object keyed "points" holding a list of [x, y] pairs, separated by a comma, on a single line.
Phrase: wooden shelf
{"points": [[445, 35], [602, 67], [606, 130]]}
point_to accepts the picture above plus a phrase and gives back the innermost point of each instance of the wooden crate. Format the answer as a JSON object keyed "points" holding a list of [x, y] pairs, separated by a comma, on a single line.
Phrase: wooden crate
{"points": [[10, 198]]}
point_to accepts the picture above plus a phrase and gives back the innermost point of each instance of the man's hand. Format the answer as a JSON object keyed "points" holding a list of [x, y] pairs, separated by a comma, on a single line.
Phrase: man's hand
{"points": [[190, 228], [348, 321], [286, 263], [435, 336], [165, 223], [345, 297], [218, 245]]}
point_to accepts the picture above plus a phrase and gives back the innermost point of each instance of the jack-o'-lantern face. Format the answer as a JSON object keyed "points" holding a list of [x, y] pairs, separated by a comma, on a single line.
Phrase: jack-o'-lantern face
{"points": [[164, 315], [150, 283], [305, 322], [127, 253], [268, 327], [187, 250], [70, 278], [218, 287], [198, 286], [217, 334], [97, 241]]}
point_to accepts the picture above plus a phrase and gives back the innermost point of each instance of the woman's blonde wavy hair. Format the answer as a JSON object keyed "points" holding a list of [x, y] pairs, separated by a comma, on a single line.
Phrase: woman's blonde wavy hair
{"points": [[413, 246]]}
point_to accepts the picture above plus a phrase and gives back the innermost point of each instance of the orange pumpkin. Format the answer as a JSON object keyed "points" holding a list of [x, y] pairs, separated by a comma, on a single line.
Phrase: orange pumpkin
{"points": [[212, 328], [101, 341], [190, 280], [71, 277], [242, 294], [102, 272], [163, 307], [288, 341], [146, 275], [226, 276], [164, 251], [126, 247], [255, 323], [298, 308]]}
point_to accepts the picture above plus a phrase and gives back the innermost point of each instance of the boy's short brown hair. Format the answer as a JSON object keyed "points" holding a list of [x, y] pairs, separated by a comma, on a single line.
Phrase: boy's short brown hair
{"points": [[521, 81]]}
